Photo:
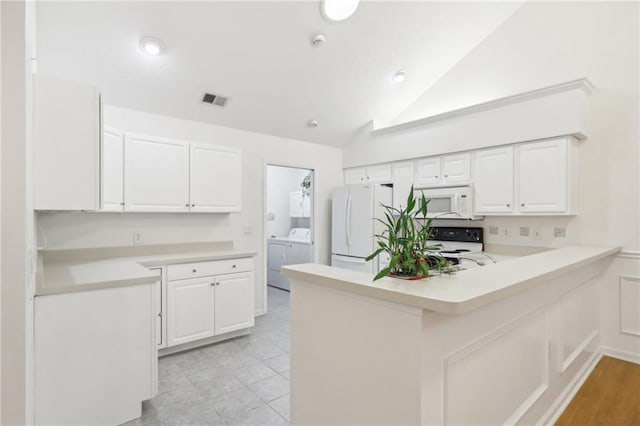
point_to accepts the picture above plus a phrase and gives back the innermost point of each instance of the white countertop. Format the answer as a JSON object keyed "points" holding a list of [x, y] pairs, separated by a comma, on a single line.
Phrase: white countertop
{"points": [[462, 292], [64, 274]]}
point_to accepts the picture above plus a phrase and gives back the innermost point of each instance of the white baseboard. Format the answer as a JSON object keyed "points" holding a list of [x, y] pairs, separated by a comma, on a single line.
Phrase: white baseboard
{"points": [[566, 396], [623, 355]]}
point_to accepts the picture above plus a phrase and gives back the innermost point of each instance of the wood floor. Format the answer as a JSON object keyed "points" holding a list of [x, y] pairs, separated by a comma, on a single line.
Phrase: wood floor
{"points": [[610, 396]]}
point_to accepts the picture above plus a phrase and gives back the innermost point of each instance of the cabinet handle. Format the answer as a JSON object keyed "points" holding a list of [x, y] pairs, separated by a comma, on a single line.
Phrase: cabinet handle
{"points": [[233, 266], [368, 178], [194, 271], [212, 284], [522, 205], [508, 205], [186, 205], [122, 204], [193, 205], [446, 175], [436, 176]]}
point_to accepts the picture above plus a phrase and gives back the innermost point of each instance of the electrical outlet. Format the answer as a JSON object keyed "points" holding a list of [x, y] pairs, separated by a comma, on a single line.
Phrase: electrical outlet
{"points": [[506, 232], [493, 230], [524, 231], [137, 238], [536, 233], [559, 232]]}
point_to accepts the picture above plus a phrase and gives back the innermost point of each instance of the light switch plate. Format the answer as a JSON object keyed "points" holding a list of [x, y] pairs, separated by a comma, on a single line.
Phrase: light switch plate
{"points": [[524, 231]]}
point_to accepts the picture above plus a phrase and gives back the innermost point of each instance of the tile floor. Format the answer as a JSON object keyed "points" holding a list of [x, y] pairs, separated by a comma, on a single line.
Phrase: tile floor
{"points": [[244, 381]]}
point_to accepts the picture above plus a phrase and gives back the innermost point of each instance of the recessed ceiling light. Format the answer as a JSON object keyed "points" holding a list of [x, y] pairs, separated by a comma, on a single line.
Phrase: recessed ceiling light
{"points": [[399, 77], [313, 124], [338, 10], [151, 46]]}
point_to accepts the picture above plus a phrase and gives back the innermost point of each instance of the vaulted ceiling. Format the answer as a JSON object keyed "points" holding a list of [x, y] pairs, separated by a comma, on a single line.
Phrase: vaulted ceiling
{"points": [[260, 55]]}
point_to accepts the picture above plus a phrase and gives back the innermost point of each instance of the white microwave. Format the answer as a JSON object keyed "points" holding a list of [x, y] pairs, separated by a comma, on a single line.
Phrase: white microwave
{"points": [[454, 202]]}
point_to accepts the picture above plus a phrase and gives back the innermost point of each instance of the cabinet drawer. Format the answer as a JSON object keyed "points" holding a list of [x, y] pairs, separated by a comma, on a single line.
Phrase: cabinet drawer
{"points": [[234, 265], [203, 269]]}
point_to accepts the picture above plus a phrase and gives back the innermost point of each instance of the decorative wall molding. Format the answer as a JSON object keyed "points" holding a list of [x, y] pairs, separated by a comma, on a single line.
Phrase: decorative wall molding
{"points": [[563, 400], [620, 354], [582, 84], [629, 254], [537, 322], [577, 351], [629, 305]]}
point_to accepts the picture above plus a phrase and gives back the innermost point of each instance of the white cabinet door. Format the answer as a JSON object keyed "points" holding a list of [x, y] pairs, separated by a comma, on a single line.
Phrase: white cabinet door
{"points": [[216, 179], [190, 310], [276, 259], [296, 204], [354, 176], [67, 134], [233, 302], [156, 174], [112, 170], [427, 172], [378, 174], [543, 177], [402, 178], [494, 181], [456, 168]]}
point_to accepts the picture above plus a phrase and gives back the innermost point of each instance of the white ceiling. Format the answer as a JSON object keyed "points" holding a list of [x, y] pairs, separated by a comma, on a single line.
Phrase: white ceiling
{"points": [[259, 55]]}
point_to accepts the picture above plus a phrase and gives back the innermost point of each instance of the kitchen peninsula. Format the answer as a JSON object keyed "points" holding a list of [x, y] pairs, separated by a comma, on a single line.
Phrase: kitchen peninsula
{"points": [[508, 343]]}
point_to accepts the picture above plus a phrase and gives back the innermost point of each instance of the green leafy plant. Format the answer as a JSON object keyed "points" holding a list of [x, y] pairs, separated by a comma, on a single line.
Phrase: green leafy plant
{"points": [[406, 241]]}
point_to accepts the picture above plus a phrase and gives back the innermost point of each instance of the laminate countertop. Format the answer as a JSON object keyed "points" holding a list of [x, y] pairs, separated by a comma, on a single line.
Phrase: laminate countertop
{"points": [[70, 271], [462, 292]]}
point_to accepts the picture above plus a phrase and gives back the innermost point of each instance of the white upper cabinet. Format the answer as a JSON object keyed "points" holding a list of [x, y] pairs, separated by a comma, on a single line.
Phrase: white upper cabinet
{"points": [[427, 172], [456, 168], [379, 173], [112, 170], [446, 170], [299, 205], [493, 181], [156, 174], [544, 174], [402, 180], [354, 176], [68, 131], [216, 179]]}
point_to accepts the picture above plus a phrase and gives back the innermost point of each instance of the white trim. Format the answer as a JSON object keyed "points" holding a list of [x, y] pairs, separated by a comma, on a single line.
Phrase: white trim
{"points": [[583, 84], [621, 279], [569, 392], [578, 350], [629, 254], [621, 354]]}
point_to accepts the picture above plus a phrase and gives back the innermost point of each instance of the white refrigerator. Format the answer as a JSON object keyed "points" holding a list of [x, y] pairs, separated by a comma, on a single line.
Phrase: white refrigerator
{"points": [[353, 226]]}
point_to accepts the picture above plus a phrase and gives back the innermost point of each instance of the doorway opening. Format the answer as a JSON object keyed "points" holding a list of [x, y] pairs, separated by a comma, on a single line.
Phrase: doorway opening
{"points": [[289, 207]]}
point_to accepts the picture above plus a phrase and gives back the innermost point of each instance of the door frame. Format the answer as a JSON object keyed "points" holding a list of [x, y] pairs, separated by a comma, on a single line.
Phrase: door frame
{"points": [[312, 224]]}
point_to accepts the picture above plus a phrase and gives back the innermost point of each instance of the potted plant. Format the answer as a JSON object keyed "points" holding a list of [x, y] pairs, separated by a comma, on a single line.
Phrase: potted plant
{"points": [[406, 240]]}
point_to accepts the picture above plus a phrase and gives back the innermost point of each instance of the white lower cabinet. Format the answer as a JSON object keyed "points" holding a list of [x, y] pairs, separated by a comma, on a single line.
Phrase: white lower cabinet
{"points": [[233, 307], [212, 302], [190, 310]]}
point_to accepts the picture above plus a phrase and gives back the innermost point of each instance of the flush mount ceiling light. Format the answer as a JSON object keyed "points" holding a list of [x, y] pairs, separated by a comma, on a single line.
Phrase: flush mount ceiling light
{"points": [[338, 10], [151, 46], [399, 77]]}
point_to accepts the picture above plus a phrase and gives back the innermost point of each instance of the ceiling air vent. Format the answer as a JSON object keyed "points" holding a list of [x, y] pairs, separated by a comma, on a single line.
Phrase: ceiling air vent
{"points": [[214, 99]]}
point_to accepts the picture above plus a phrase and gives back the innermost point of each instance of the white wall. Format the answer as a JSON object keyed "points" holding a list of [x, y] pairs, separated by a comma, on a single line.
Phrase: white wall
{"points": [[79, 230], [280, 182], [545, 43]]}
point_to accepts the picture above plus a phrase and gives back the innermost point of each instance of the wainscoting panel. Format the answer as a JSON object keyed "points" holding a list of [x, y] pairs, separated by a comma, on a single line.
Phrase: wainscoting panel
{"points": [[497, 379], [630, 305], [578, 323]]}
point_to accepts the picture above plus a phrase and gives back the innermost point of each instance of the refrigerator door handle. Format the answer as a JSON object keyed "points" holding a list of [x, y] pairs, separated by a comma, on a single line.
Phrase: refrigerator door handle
{"points": [[348, 221], [351, 260]]}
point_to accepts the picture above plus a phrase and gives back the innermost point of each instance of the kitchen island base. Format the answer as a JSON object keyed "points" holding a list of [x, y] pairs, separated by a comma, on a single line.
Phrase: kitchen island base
{"points": [[357, 359]]}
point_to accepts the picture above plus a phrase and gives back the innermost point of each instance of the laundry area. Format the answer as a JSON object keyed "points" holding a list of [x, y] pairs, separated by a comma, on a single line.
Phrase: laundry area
{"points": [[289, 207]]}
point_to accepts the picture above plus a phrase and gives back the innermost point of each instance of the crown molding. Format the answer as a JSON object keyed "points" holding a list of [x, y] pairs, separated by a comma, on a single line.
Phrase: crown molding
{"points": [[582, 84]]}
